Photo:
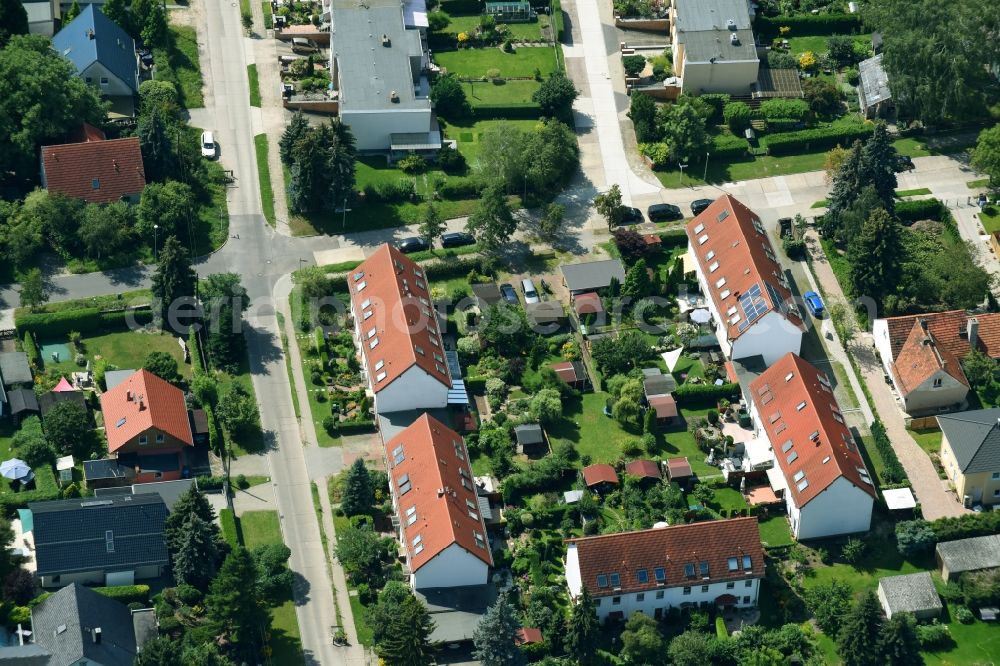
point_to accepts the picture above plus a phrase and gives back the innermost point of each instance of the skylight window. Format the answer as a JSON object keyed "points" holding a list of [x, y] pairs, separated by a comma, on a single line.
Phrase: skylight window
{"points": [[792, 457], [419, 350], [803, 484], [747, 562], [379, 364], [724, 294], [799, 475], [799, 407], [371, 333], [787, 445], [789, 376], [703, 568], [712, 267], [826, 460], [361, 286], [602, 580], [689, 570], [367, 314], [397, 455], [700, 228], [710, 255], [366, 303], [723, 215], [642, 576], [616, 580], [359, 275], [404, 485], [373, 344], [733, 564], [660, 574], [480, 541], [417, 539], [720, 282], [702, 239]]}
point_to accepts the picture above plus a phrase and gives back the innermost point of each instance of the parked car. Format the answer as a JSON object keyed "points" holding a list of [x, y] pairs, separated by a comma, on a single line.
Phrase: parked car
{"points": [[903, 163], [699, 205], [509, 294], [208, 145], [530, 293], [303, 45], [456, 239], [664, 213], [814, 303], [632, 216], [412, 244]]}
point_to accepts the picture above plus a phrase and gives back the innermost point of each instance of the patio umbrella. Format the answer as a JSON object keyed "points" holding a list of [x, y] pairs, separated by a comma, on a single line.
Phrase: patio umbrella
{"points": [[15, 469], [701, 316]]}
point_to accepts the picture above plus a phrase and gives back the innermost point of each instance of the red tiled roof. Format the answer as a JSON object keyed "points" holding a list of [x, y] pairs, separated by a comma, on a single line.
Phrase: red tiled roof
{"points": [[402, 316], [920, 357], [141, 402], [731, 372], [565, 371], [115, 166], [432, 455], [745, 257], [529, 635], [664, 405], [950, 331], [599, 473], [713, 542], [588, 303], [806, 429], [679, 468], [644, 469]]}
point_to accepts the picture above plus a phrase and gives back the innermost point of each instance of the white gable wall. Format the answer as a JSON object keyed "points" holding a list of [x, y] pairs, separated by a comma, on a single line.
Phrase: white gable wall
{"points": [[414, 389], [842, 508], [929, 397], [452, 567], [772, 336], [114, 87]]}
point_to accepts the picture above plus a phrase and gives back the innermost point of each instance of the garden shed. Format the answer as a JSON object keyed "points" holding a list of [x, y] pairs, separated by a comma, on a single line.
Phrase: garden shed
{"points": [[510, 12], [911, 593], [679, 469], [600, 475], [530, 439], [975, 554], [643, 469]]}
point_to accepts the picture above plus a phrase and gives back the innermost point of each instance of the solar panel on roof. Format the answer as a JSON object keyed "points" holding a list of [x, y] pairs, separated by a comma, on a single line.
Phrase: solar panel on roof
{"points": [[753, 306]]}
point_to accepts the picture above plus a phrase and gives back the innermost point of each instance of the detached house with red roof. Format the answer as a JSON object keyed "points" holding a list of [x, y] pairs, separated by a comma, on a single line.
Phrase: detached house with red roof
{"points": [[437, 510], [95, 169], [717, 563], [745, 287], [827, 488], [147, 425], [922, 354], [398, 335]]}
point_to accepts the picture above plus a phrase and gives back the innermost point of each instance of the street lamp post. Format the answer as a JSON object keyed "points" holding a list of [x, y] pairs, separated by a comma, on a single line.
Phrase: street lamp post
{"points": [[680, 178], [705, 176], [155, 227]]}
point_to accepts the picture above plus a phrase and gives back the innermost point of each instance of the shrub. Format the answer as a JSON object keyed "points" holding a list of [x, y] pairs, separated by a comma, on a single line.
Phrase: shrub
{"points": [[780, 60], [893, 471], [773, 109], [853, 76], [450, 161], [412, 164], [727, 146], [914, 538], [700, 394], [633, 64], [965, 526], [852, 551], [933, 636], [125, 593], [794, 248], [964, 615], [814, 139], [718, 102], [391, 192], [921, 209], [460, 188], [737, 116], [31, 350]]}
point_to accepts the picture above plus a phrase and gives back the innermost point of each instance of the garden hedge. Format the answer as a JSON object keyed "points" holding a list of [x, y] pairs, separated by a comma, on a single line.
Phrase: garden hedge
{"points": [[818, 138], [892, 471], [126, 594], [455, 7], [728, 146], [476, 385], [808, 24], [354, 428], [522, 111], [31, 349], [698, 394], [461, 187], [86, 321], [46, 488], [230, 530], [674, 238], [922, 209]]}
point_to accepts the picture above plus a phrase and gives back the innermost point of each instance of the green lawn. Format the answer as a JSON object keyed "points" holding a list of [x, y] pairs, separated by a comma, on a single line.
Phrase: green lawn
{"points": [[976, 643], [990, 217], [818, 44], [262, 528], [288, 365], [775, 531], [268, 18], [179, 65], [530, 32], [476, 62], [929, 440], [125, 350], [468, 134], [264, 176], [254, 85], [822, 203], [727, 500], [508, 93], [978, 184], [912, 193]]}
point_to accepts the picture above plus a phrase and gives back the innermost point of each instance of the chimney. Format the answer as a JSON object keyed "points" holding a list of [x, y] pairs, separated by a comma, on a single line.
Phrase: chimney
{"points": [[142, 405], [90, 34], [394, 97], [385, 40], [117, 168], [96, 635], [128, 395], [923, 324], [972, 329]]}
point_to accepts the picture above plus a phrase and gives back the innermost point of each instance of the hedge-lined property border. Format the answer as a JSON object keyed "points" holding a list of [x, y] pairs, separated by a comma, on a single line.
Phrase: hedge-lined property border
{"points": [[817, 138], [808, 24]]}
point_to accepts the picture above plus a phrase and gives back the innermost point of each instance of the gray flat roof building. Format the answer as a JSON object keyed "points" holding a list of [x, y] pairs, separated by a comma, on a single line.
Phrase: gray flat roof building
{"points": [[14, 368], [705, 27], [910, 593], [592, 275]]}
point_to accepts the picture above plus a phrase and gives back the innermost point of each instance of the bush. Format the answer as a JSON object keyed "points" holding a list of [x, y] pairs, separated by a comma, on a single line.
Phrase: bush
{"points": [[965, 526], [921, 209], [852, 551], [933, 636], [727, 146], [853, 76], [86, 321], [125, 593], [794, 248], [718, 102], [737, 116], [964, 615], [780, 60], [914, 538], [450, 160], [633, 64], [690, 395], [391, 192], [892, 469], [412, 164], [774, 109], [815, 139], [460, 188]]}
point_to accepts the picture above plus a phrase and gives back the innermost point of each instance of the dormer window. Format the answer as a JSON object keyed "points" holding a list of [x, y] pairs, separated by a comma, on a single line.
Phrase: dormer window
{"points": [[689, 570], [642, 576], [703, 568], [616, 580], [602, 580], [733, 564]]}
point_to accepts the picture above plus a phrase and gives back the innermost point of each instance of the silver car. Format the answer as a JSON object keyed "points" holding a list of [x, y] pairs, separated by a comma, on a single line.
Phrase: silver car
{"points": [[530, 293]]}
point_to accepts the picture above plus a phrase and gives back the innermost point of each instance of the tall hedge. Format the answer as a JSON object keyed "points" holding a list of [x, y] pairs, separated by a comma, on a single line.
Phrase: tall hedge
{"points": [[966, 526], [893, 471], [86, 321], [808, 24], [819, 138], [704, 394], [921, 209], [726, 146]]}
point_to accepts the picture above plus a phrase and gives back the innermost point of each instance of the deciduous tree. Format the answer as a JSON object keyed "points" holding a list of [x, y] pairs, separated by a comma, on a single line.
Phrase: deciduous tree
{"points": [[642, 111], [67, 427], [237, 411], [106, 229], [555, 96], [163, 365], [449, 98], [986, 155], [683, 130], [492, 223], [823, 97], [169, 206], [431, 224], [609, 206], [30, 444], [546, 406], [642, 642], [34, 290]]}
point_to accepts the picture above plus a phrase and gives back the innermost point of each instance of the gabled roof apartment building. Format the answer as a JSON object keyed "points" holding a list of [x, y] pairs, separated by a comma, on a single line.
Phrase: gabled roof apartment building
{"points": [[745, 287], [397, 333], [717, 563], [437, 508], [828, 490]]}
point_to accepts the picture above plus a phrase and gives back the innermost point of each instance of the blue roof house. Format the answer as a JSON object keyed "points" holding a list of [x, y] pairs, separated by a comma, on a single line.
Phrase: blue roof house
{"points": [[103, 53]]}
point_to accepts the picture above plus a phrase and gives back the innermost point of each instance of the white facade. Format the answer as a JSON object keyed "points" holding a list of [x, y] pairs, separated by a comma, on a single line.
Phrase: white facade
{"points": [[373, 129], [452, 567], [730, 76], [108, 84], [842, 508], [42, 16], [771, 336], [657, 602]]}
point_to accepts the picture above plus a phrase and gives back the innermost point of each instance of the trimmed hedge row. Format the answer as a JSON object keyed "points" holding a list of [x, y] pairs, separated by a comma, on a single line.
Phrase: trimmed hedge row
{"points": [[230, 530], [808, 24], [966, 526], [126, 594], [354, 428], [813, 139], [695, 394], [729, 146], [86, 321], [476, 384], [454, 7], [893, 471], [921, 209], [46, 488], [674, 238]]}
